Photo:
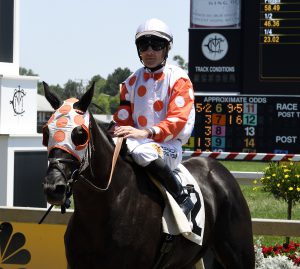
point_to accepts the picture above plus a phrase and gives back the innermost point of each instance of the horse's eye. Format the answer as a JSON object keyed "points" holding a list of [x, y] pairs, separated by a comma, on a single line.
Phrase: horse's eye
{"points": [[79, 136], [45, 135]]}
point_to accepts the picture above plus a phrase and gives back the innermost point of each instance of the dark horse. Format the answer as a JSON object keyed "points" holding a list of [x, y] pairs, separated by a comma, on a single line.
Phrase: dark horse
{"points": [[118, 225]]}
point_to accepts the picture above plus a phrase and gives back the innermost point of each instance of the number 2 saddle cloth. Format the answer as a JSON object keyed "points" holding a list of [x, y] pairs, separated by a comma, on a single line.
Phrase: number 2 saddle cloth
{"points": [[174, 221]]}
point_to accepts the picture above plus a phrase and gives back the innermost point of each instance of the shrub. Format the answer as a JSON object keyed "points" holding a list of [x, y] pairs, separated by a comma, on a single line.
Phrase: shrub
{"points": [[283, 181]]}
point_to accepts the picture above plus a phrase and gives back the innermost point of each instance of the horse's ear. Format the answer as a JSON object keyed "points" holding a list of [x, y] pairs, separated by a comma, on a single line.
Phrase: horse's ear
{"points": [[51, 97], [86, 99]]}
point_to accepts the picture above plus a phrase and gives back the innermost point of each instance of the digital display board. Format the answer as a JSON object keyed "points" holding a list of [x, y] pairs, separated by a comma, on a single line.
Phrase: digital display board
{"points": [[271, 44], [6, 30], [279, 31], [246, 123]]}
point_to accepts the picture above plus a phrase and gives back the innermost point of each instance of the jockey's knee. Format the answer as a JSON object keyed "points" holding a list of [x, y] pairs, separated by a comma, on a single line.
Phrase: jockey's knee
{"points": [[144, 157]]}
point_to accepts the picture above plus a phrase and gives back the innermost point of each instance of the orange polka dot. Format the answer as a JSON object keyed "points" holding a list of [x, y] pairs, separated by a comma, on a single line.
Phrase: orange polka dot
{"points": [[79, 120], [123, 94], [158, 105], [142, 91], [72, 100], [59, 136], [62, 122], [65, 109], [51, 119], [132, 80], [142, 120]]}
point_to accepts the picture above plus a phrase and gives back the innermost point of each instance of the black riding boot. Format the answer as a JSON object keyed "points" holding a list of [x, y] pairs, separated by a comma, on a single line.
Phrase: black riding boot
{"points": [[162, 172]]}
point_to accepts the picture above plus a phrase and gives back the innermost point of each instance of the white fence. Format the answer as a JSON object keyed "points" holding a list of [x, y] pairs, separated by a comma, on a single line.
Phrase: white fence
{"points": [[246, 178]]}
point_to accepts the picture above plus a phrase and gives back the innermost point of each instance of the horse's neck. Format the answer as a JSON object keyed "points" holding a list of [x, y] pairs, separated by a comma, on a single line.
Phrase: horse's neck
{"points": [[127, 189], [94, 172], [102, 154], [124, 184]]}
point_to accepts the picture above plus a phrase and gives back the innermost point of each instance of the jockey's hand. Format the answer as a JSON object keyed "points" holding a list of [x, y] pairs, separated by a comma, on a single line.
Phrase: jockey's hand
{"points": [[129, 131]]}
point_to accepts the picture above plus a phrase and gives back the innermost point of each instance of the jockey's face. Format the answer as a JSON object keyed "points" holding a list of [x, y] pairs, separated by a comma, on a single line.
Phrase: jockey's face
{"points": [[152, 50], [152, 58]]}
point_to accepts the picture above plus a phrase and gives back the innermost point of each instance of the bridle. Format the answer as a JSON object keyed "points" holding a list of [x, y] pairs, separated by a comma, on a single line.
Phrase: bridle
{"points": [[56, 163]]}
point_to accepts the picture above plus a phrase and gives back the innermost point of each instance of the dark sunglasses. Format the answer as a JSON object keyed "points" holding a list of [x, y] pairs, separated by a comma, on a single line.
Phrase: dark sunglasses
{"points": [[155, 44]]}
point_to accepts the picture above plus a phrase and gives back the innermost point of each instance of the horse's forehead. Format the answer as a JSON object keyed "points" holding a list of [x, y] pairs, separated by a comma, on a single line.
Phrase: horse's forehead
{"points": [[67, 106], [67, 111], [66, 117], [61, 126]]}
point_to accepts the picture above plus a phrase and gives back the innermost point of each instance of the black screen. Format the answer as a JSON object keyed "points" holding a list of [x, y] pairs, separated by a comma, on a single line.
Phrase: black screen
{"points": [[271, 43], [29, 171], [244, 123], [6, 30]]}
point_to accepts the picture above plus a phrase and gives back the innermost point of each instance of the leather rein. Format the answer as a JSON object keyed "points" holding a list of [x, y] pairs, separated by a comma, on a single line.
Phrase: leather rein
{"points": [[117, 149]]}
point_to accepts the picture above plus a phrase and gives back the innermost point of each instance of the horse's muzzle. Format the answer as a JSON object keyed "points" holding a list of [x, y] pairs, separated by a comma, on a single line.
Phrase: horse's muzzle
{"points": [[55, 193]]}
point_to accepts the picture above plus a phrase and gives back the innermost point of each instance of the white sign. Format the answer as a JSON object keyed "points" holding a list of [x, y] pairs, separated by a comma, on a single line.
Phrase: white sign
{"points": [[213, 13], [18, 105]]}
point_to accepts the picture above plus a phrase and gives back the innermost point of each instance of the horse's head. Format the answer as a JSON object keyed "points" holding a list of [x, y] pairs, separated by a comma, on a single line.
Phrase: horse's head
{"points": [[66, 135]]}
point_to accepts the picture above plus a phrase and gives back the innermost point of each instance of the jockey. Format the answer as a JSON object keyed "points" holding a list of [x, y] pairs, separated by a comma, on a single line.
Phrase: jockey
{"points": [[156, 112]]}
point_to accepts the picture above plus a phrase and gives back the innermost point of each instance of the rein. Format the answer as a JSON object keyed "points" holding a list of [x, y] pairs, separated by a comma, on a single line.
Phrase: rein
{"points": [[114, 161]]}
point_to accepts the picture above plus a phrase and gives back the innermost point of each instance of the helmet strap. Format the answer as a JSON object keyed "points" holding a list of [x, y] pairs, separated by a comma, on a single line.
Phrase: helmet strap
{"points": [[154, 68]]}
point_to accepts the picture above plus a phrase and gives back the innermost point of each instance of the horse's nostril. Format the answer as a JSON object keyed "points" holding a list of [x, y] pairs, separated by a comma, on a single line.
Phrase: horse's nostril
{"points": [[48, 187], [54, 188], [60, 189], [55, 193]]}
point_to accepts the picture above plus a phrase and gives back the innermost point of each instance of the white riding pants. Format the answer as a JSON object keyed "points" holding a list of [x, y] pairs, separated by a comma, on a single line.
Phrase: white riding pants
{"points": [[145, 151]]}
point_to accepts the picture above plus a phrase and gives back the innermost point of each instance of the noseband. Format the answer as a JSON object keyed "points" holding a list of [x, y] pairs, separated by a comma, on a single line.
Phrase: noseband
{"points": [[56, 163]]}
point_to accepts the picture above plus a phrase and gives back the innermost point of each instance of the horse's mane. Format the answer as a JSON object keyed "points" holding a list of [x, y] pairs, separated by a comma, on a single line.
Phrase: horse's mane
{"points": [[104, 128]]}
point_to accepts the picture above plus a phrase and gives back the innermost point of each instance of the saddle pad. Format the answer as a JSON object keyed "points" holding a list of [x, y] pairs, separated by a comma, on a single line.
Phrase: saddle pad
{"points": [[174, 221]]}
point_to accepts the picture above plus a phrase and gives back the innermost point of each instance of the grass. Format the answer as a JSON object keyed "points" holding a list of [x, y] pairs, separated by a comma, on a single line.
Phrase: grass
{"points": [[244, 166], [262, 204]]}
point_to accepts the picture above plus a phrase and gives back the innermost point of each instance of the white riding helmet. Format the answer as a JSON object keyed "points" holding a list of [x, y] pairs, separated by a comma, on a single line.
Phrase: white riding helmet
{"points": [[154, 27], [157, 28]]}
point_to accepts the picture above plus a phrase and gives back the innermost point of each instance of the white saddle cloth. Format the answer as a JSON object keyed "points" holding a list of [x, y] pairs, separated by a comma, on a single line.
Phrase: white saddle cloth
{"points": [[174, 221]]}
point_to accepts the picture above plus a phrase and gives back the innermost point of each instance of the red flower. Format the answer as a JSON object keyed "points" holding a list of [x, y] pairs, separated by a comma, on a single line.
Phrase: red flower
{"points": [[288, 250]]}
